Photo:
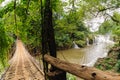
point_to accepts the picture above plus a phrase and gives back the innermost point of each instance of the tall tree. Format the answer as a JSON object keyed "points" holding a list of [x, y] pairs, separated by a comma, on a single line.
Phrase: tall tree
{"points": [[48, 39]]}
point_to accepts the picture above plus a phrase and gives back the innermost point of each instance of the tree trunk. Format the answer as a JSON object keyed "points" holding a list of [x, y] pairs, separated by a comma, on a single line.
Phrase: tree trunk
{"points": [[84, 72], [57, 75], [44, 38], [48, 40]]}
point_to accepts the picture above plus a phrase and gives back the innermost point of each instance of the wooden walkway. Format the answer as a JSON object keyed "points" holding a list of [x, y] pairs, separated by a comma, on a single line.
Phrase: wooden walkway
{"points": [[23, 66]]}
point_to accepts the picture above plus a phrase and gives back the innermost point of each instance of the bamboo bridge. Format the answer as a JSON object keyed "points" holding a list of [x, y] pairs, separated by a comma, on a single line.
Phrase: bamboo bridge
{"points": [[23, 66]]}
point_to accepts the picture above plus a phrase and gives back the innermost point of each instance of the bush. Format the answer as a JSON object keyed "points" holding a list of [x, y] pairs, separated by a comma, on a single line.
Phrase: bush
{"points": [[80, 43], [117, 66]]}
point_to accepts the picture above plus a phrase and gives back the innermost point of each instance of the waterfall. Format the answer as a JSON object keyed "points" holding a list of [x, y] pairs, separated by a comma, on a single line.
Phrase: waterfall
{"points": [[87, 42], [100, 47], [75, 45], [94, 40], [102, 39]]}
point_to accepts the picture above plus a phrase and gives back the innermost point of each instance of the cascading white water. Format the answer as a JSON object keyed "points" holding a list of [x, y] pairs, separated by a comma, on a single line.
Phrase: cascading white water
{"points": [[98, 50], [75, 45], [87, 41], [94, 40], [102, 39]]}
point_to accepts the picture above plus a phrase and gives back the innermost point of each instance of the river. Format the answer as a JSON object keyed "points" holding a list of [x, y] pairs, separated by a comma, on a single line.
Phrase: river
{"points": [[88, 55]]}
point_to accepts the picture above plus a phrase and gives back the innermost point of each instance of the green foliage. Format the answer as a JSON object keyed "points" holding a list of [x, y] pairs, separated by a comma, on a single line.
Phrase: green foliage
{"points": [[5, 36], [63, 41], [67, 33], [70, 77], [1, 1], [70, 28], [6, 9], [116, 33], [5, 42], [106, 27], [81, 43], [79, 35], [116, 16], [117, 66], [106, 64], [116, 30]]}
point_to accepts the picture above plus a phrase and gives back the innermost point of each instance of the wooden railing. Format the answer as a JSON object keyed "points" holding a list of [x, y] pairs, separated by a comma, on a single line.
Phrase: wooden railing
{"points": [[84, 72]]}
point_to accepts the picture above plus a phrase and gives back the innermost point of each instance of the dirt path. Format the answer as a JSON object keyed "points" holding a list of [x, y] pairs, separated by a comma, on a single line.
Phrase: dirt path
{"points": [[23, 66]]}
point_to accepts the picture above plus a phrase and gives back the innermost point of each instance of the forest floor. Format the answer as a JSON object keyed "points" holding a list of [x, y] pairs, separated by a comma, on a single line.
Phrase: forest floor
{"points": [[23, 66]]}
